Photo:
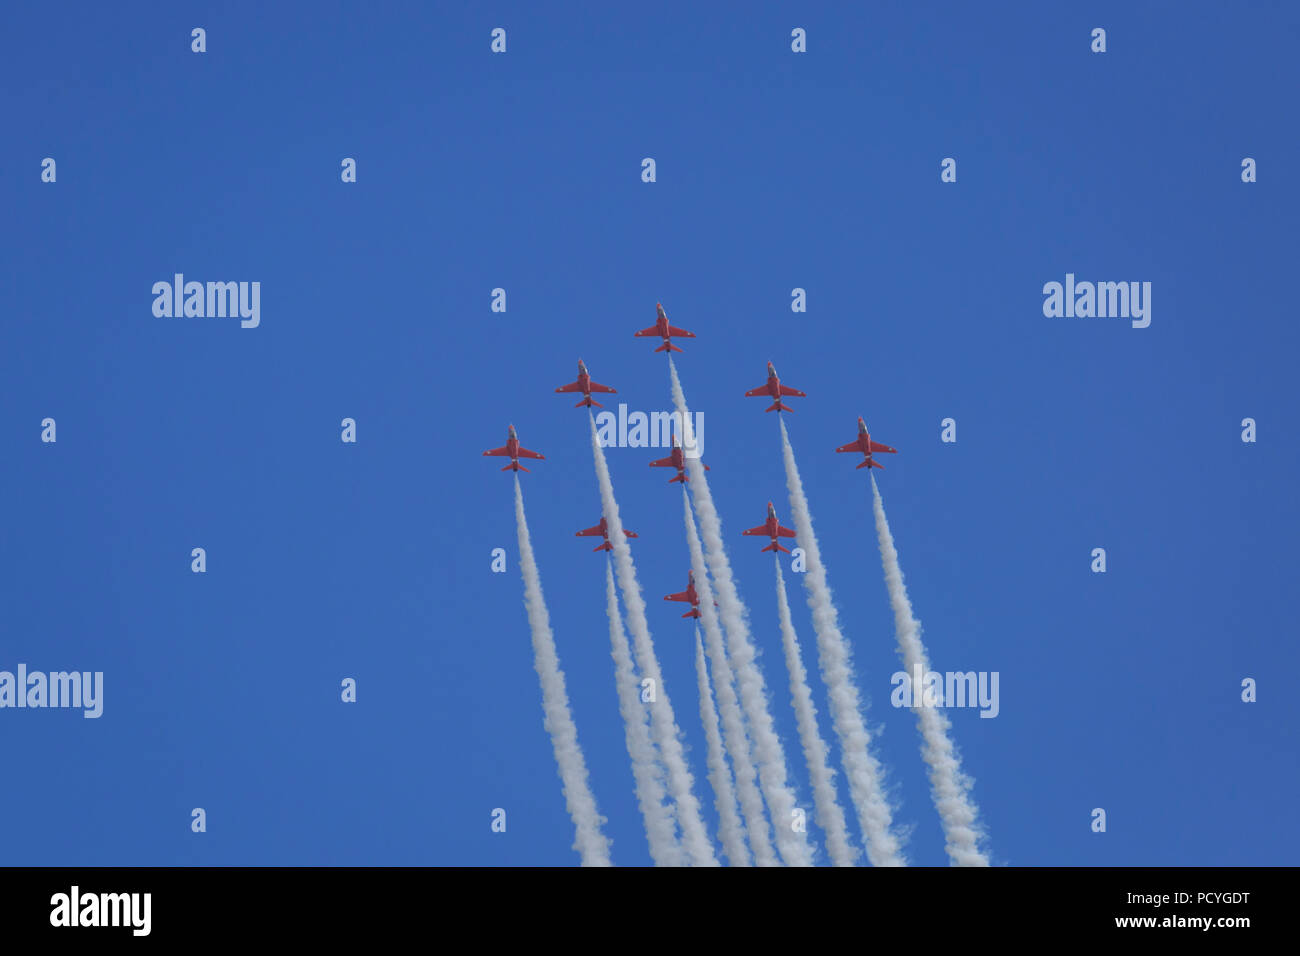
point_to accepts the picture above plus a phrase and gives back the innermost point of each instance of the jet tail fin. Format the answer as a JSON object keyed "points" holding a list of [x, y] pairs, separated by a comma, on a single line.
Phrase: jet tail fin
{"points": [[682, 477], [516, 466], [589, 401], [872, 463], [668, 347], [776, 547], [778, 407]]}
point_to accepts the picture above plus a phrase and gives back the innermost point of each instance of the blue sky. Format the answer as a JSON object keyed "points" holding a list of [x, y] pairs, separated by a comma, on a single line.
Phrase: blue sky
{"points": [[522, 171]]}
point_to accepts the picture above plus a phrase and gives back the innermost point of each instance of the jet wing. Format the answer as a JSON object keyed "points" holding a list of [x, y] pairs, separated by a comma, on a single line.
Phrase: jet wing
{"points": [[876, 446], [679, 596], [653, 330], [497, 451], [680, 333], [571, 387], [787, 390], [761, 390], [525, 453], [761, 529], [784, 532], [596, 387], [663, 463], [630, 534], [851, 446], [587, 532]]}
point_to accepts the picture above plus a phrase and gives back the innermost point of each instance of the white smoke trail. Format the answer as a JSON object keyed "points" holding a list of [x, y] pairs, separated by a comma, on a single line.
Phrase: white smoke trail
{"points": [[739, 746], [730, 829], [860, 766], [829, 815], [590, 842], [950, 786], [660, 823], [769, 756], [695, 839]]}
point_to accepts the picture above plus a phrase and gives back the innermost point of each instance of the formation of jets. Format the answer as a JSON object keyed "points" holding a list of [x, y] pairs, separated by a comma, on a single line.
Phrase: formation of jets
{"points": [[771, 528], [676, 460], [688, 596], [514, 451], [773, 389], [864, 444], [585, 385], [602, 529], [665, 331]]}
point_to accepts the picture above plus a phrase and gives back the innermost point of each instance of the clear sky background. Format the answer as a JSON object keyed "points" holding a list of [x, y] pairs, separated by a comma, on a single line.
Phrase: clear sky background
{"points": [[775, 170]]}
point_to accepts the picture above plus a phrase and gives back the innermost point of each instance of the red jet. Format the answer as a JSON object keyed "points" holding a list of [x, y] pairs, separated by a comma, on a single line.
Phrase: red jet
{"points": [[602, 529], [772, 529], [675, 460], [865, 445], [688, 595], [514, 451], [665, 331], [776, 390], [585, 385]]}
